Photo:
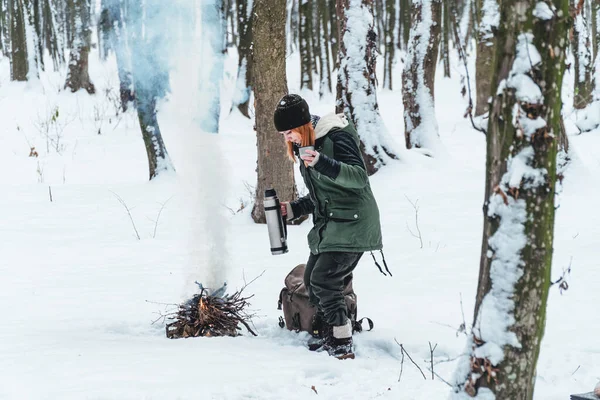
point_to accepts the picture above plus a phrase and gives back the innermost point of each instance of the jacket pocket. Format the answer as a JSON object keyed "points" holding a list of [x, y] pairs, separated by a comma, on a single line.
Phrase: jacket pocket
{"points": [[340, 214]]}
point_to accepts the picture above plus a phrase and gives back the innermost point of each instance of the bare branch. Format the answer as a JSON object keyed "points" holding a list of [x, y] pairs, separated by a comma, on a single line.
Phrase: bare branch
{"points": [[403, 350], [416, 208], [431, 350], [158, 217], [128, 213]]}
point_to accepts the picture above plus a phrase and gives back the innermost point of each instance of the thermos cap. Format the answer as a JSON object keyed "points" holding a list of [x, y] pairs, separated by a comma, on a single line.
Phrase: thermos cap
{"points": [[270, 193]]}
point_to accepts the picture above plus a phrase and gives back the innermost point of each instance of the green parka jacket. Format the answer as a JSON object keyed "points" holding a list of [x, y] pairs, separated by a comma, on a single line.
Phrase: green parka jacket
{"points": [[345, 213]]}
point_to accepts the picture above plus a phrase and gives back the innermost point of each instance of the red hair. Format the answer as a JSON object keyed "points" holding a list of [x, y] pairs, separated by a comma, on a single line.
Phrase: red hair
{"points": [[307, 135]]}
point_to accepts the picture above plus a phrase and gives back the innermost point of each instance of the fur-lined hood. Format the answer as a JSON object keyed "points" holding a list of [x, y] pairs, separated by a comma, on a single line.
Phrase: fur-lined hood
{"points": [[328, 122]]}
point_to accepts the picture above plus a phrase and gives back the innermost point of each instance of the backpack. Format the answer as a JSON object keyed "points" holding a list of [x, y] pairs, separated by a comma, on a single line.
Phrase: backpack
{"points": [[300, 315]]}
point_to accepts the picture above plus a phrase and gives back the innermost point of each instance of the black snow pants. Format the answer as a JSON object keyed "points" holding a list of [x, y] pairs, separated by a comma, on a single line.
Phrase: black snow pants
{"points": [[325, 277]]}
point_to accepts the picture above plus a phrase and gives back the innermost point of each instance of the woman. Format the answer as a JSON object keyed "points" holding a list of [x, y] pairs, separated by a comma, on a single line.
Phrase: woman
{"points": [[345, 214]]}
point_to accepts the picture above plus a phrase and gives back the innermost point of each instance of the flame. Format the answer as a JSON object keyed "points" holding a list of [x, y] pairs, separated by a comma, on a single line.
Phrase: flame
{"points": [[202, 305]]}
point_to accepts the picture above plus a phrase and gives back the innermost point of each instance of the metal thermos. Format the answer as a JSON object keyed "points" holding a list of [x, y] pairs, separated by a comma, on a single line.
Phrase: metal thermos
{"points": [[275, 223]]}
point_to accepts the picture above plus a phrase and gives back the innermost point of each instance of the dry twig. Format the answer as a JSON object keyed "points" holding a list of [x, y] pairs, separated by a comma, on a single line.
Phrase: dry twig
{"points": [[416, 208], [403, 350], [128, 213]]}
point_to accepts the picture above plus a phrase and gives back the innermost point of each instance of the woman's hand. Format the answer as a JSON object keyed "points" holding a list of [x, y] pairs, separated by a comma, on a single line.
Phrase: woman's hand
{"points": [[283, 206], [309, 156]]}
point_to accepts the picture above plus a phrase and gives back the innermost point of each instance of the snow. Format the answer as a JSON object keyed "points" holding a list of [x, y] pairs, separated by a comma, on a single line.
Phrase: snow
{"points": [[490, 19], [75, 279], [543, 11]]}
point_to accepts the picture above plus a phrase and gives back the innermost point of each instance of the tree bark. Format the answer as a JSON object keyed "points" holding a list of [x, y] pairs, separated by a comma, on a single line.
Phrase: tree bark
{"points": [[274, 169], [244, 78], [357, 84], [78, 76], [421, 129], [516, 255], [390, 26], [306, 50], [486, 48], [19, 62], [582, 53]]}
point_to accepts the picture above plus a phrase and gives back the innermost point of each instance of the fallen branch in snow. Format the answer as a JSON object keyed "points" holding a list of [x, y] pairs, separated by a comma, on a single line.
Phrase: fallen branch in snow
{"points": [[128, 212], [403, 350], [50, 193], [416, 208]]}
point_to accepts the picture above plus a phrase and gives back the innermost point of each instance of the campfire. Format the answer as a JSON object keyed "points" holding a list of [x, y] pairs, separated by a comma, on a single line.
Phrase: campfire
{"points": [[214, 314]]}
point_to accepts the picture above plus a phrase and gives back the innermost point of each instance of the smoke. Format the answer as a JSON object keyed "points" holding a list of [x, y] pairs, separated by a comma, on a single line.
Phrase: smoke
{"points": [[208, 234], [171, 46]]}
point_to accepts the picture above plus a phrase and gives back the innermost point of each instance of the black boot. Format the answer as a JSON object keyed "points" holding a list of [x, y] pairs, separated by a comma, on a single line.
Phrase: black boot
{"points": [[321, 333], [339, 344]]}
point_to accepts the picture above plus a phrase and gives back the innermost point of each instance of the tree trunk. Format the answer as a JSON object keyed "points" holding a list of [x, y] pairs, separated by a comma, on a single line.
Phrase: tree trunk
{"points": [[324, 38], [487, 12], [516, 256], [244, 78], [5, 28], [390, 26], [19, 62], [582, 53], [274, 169], [445, 53], [405, 10], [213, 27], [335, 32], [379, 14], [421, 129], [78, 76], [115, 35], [596, 26], [357, 82], [306, 53], [150, 79], [294, 26], [51, 35]]}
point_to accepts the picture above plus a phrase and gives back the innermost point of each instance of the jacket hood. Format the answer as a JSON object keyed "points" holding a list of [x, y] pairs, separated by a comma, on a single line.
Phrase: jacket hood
{"points": [[328, 122]]}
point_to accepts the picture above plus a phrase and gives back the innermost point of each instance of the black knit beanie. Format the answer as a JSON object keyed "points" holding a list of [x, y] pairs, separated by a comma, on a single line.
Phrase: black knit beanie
{"points": [[291, 112]]}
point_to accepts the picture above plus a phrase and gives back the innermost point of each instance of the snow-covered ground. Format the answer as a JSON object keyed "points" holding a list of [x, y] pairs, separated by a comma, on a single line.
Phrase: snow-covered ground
{"points": [[79, 291]]}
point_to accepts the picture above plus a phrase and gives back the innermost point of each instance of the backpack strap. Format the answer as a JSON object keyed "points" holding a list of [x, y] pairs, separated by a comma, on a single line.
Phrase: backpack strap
{"points": [[384, 263], [358, 325]]}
